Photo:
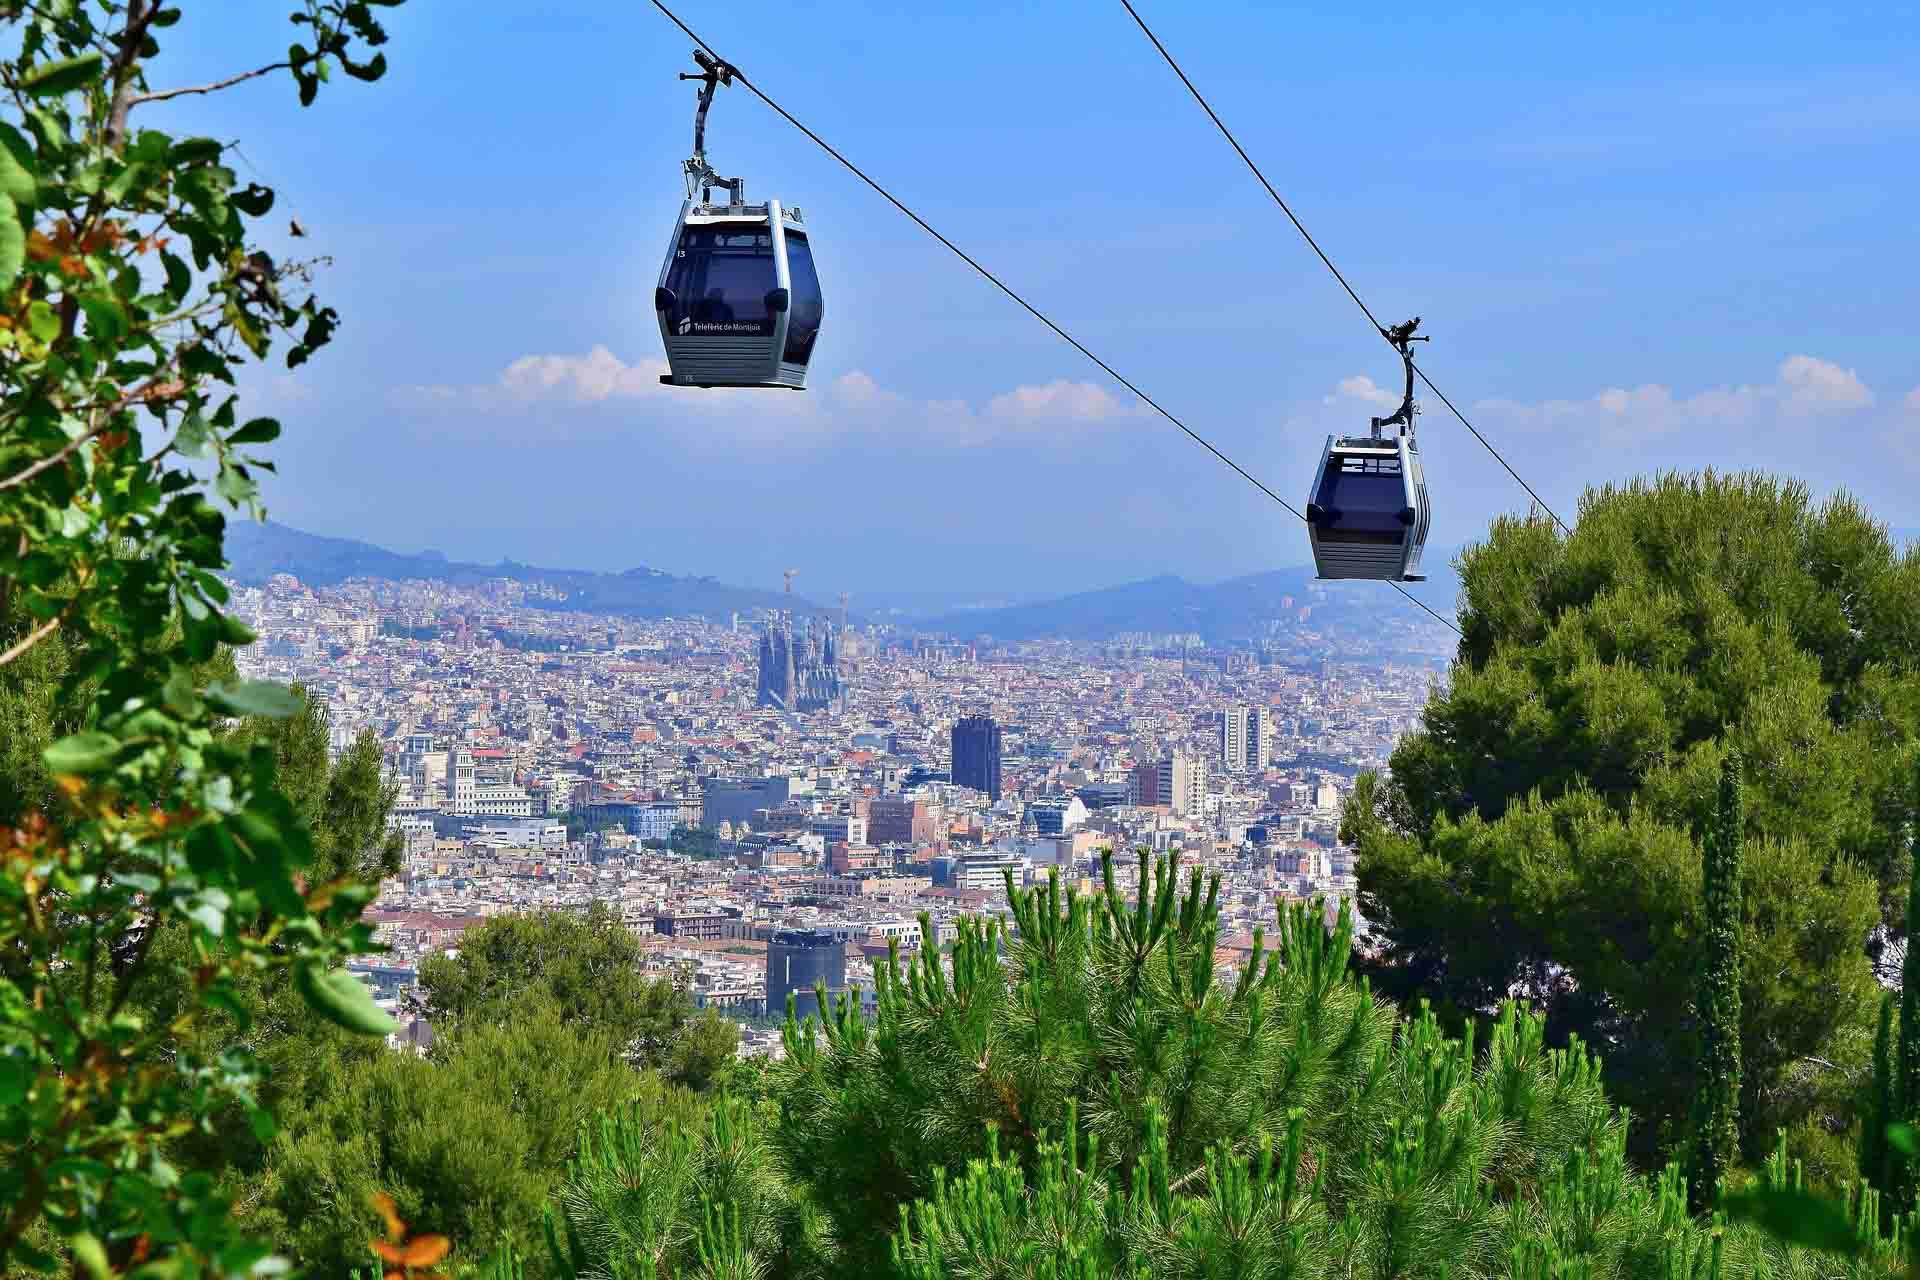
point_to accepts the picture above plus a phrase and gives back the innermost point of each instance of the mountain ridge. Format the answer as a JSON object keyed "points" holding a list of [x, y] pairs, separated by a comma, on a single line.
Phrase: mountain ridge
{"points": [[1235, 610], [258, 551]]}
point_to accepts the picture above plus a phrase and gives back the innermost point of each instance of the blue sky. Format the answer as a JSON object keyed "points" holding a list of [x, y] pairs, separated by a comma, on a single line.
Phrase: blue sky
{"points": [[1640, 239]]}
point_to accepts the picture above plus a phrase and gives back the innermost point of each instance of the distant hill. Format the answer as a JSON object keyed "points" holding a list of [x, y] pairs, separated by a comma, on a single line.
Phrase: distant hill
{"points": [[1223, 613], [255, 552]]}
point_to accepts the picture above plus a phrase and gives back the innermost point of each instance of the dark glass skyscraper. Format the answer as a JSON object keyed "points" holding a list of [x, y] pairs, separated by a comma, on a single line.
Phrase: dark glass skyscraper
{"points": [[796, 960], [976, 755]]}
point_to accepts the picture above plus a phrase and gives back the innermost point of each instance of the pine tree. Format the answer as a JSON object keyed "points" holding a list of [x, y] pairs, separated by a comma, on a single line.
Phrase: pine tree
{"points": [[1717, 1111]]}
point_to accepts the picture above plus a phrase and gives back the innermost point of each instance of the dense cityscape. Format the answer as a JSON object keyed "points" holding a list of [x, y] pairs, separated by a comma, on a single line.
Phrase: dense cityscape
{"points": [[771, 802]]}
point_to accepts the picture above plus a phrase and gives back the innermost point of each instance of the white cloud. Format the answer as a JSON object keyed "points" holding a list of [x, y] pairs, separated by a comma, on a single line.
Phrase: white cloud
{"points": [[1803, 385], [852, 401], [599, 378], [860, 390], [598, 375], [1057, 401], [1817, 385], [1364, 389], [259, 389]]}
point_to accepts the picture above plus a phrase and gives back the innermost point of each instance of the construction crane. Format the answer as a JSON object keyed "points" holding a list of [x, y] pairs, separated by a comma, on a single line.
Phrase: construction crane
{"points": [[843, 610], [789, 575]]}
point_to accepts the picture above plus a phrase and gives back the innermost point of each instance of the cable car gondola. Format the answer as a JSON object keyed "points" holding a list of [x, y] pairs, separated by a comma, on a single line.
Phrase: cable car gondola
{"points": [[1368, 515], [738, 299]]}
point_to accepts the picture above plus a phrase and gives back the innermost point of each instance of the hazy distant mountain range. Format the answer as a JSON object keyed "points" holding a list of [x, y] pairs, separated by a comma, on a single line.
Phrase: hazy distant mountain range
{"points": [[1236, 609], [255, 552], [1226, 611]]}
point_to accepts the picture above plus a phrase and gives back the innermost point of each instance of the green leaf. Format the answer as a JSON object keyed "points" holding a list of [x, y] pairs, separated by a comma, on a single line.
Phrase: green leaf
{"points": [[254, 698], [82, 753], [13, 244], [1795, 1217], [16, 1077], [106, 322], [133, 176], [342, 999], [17, 181], [194, 151], [369, 71], [235, 632], [63, 76], [179, 691], [42, 321], [258, 431], [1904, 1139], [179, 278], [243, 324], [208, 909], [87, 1249], [233, 485], [190, 437], [254, 201]]}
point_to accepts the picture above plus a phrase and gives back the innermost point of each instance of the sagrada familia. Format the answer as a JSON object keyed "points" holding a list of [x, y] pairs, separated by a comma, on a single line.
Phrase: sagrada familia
{"points": [[798, 673]]}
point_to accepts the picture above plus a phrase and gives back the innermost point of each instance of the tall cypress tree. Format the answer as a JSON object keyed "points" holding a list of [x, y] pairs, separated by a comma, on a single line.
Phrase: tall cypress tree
{"points": [[1876, 1157], [1906, 1076], [1717, 1108]]}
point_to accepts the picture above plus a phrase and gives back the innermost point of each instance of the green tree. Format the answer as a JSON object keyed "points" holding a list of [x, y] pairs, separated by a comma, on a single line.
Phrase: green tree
{"points": [[1881, 1107], [469, 1141], [1717, 1125], [588, 964], [131, 291], [1902, 1091], [1533, 835], [345, 802], [702, 1053]]}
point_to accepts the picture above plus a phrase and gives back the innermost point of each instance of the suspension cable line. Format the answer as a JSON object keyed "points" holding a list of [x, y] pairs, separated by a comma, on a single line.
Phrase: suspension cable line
{"points": [[741, 77], [1321, 253]]}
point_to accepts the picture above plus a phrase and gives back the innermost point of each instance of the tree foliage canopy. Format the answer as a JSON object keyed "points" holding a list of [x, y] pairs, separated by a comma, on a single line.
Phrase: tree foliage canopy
{"points": [[588, 964], [469, 1142], [1538, 834]]}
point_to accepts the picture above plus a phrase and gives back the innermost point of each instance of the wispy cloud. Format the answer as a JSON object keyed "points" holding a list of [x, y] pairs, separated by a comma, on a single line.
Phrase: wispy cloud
{"points": [[1803, 386], [854, 400], [1820, 386], [1364, 389], [1058, 401]]}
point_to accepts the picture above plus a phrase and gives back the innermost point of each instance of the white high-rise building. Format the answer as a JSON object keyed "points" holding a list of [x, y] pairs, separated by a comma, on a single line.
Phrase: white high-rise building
{"points": [[1246, 739], [1233, 740], [1181, 783]]}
